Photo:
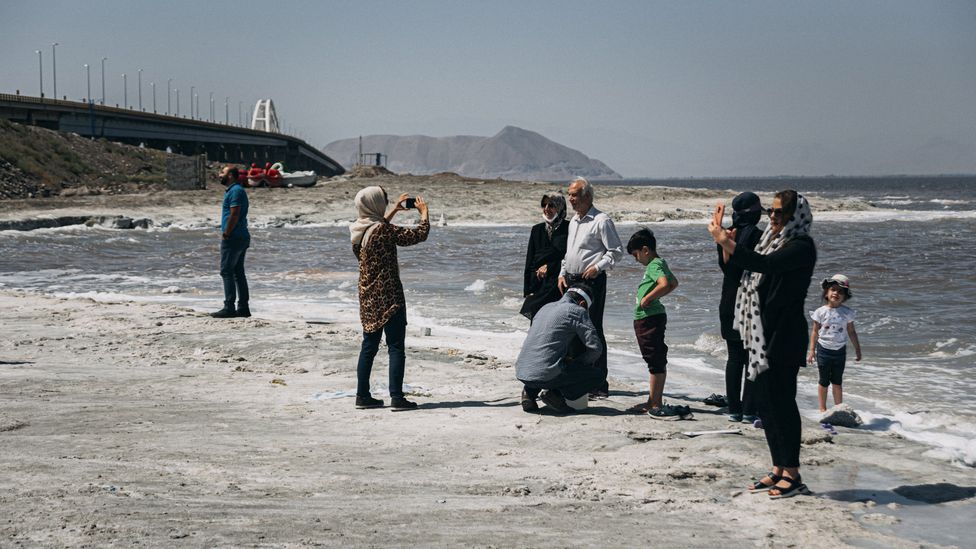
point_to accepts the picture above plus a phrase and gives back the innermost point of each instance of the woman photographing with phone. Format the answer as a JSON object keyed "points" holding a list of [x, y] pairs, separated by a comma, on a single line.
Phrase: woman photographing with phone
{"points": [[769, 314], [382, 306]]}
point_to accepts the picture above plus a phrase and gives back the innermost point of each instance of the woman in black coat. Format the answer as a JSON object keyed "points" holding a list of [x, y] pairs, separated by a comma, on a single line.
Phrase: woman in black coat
{"points": [[769, 314], [547, 246], [746, 211]]}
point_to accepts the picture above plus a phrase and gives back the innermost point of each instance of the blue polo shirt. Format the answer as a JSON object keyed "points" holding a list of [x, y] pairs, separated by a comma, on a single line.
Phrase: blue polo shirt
{"points": [[235, 195]]}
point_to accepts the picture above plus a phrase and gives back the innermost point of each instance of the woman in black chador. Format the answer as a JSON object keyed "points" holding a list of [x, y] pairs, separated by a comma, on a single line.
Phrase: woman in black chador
{"points": [[547, 246]]}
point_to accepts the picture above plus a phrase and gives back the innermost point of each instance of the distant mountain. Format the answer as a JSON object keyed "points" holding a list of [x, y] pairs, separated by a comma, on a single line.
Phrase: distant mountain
{"points": [[512, 153]]}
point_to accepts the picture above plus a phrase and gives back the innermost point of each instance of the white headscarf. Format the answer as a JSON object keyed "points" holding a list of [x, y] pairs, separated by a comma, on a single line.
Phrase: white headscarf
{"points": [[371, 205], [747, 319]]}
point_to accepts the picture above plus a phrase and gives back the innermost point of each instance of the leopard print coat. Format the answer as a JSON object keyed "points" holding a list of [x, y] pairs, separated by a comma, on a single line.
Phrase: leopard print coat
{"points": [[380, 290]]}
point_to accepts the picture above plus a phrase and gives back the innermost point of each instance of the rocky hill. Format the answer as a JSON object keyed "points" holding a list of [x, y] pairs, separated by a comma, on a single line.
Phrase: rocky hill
{"points": [[35, 162], [512, 153]]}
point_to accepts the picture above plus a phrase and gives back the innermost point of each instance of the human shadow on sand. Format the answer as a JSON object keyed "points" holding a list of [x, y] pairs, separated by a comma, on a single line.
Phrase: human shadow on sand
{"points": [[919, 494]]}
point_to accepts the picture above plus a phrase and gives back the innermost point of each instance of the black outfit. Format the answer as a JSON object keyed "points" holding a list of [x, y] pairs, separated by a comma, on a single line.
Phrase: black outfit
{"points": [[747, 235], [543, 250], [782, 292]]}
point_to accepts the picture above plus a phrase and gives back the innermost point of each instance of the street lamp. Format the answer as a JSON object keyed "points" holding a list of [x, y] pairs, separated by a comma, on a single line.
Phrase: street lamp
{"points": [[169, 86], [177, 102], [227, 111], [196, 99], [125, 92], [40, 70], [140, 89], [54, 67], [153, 86], [104, 59], [211, 107], [240, 119], [88, 98], [191, 101]]}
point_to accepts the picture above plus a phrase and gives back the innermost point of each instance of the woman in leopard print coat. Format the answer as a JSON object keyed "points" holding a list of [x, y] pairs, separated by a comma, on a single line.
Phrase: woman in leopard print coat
{"points": [[382, 307]]}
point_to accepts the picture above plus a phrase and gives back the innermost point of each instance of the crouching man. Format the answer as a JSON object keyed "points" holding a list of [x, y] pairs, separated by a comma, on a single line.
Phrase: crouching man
{"points": [[557, 363]]}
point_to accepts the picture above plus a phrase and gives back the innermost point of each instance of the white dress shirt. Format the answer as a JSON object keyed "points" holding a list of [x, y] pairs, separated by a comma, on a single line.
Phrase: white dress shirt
{"points": [[592, 240]]}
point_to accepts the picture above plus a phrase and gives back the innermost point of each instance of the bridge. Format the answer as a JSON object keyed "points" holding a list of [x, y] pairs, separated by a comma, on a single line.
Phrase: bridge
{"points": [[220, 142]]}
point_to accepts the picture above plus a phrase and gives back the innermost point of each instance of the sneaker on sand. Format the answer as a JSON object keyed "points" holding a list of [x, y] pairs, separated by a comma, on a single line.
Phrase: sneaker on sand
{"points": [[666, 412], [555, 401], [399, 404], [364, 402]]}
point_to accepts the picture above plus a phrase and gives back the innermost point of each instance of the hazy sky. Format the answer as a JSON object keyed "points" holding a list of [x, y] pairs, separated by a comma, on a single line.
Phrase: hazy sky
{"points": [[651, 88]]}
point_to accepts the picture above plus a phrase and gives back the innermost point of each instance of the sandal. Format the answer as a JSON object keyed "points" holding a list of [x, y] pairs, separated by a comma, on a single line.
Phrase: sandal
{"points": [[796, 487], [716, 400], [760, 486]]}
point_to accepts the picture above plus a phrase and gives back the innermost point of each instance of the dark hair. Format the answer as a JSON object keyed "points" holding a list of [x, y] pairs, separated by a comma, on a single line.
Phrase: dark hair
{"points": [[643, 237], [787, 199], [846, 291], [234, 173]]}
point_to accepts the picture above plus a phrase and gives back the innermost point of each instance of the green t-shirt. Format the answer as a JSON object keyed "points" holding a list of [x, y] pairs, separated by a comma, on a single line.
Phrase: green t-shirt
{"points": [[655, 270]]}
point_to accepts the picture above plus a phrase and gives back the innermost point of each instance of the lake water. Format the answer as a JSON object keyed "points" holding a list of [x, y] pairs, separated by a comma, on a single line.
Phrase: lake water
{"points": [[911, 266]]}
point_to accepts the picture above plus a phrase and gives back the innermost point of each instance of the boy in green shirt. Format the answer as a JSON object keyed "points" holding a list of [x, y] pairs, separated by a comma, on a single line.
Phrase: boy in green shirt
{"points": [[650, 322]]}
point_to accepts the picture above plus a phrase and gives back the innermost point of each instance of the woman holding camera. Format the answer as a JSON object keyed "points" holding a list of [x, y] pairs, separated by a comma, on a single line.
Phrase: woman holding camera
{"points": [[771, 318], [382, 306]]}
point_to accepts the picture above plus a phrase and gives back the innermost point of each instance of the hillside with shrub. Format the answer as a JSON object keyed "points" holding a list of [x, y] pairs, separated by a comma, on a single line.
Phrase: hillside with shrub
{"points": [[36, 163]]}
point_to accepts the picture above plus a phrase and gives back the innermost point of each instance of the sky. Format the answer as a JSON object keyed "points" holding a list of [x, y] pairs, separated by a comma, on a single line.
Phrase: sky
{"points": [[653, 89]]}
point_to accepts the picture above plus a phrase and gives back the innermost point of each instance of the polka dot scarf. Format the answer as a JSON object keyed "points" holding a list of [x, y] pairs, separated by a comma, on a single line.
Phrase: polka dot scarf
{"points": [[747, 318]]}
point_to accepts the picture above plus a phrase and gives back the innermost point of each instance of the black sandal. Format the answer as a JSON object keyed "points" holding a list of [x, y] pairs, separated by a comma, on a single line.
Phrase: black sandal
{"points": [[796, 487], [760, 486]]}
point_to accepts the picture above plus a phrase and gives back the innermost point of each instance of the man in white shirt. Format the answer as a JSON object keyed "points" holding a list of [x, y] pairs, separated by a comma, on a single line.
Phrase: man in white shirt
{"points": [[592, 249]]}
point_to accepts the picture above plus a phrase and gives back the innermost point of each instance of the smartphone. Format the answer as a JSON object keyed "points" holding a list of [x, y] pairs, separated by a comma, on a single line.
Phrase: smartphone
{"points": [[410, 203]]}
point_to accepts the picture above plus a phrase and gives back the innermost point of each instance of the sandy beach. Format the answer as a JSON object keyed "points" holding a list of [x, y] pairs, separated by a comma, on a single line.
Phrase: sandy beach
{"points": [[147, 424]]}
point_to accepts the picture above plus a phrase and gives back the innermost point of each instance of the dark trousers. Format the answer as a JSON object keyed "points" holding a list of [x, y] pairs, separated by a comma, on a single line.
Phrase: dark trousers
{"points": [[396, 331], [734, 387], [232, 252], [830, 364], [774, 392], [575, 381], [599, 295]]}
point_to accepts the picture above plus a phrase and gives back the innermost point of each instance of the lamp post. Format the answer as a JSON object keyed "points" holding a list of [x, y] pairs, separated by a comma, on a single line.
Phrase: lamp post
{"points": [[125, 92], [54, 67], [169, 86], [153, 86], [140, 89], [88, 98], [240, 119], [104, 59], [211, 107], [227, 111], [177, 101], [191, 101], [196, 99], [40, 70]]}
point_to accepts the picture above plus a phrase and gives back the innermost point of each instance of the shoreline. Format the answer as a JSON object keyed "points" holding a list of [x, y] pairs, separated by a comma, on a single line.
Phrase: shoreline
{"points": [[150, 421], [460, 200]]}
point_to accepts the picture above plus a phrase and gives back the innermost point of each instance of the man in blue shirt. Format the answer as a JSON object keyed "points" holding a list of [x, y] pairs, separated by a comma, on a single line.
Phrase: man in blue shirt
{"points": [[233, 246]]}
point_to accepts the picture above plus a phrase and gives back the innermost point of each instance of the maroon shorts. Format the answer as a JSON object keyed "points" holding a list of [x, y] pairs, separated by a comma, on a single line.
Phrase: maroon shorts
{"points": [[650, 339]]}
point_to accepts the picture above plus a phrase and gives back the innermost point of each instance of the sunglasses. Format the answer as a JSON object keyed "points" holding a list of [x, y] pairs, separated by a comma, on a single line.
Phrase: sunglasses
{"points": [[774, 211]]}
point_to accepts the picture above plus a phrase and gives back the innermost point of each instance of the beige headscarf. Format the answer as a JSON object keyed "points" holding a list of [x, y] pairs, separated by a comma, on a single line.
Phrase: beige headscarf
{"points": [[371, 205]]}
